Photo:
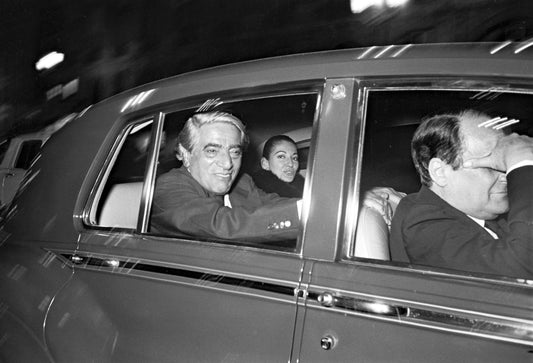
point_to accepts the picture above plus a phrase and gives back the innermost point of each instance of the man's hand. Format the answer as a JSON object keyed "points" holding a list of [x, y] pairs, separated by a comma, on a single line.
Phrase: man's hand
{"points": [[383, 200], [509, 150]]}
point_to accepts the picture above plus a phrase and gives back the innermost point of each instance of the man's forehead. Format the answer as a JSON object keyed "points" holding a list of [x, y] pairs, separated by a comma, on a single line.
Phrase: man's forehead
{"points": [[218, 133]]}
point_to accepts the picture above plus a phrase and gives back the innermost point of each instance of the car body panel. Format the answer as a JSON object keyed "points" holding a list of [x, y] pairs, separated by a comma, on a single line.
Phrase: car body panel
{"points": [[125, 295], [168, 297]]}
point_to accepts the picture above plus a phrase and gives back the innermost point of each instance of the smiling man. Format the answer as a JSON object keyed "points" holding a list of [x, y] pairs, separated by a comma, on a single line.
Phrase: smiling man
{"points": [[207, 197], [474, 211]]}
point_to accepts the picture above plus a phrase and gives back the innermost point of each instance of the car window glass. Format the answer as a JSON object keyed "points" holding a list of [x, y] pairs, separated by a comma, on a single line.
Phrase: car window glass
{"points": [[28, 151], [263, 117], [390, 122], [118, 199]]}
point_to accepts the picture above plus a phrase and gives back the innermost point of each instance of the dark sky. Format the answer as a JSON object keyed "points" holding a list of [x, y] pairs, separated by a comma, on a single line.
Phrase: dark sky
{"points": [[114, 45]]}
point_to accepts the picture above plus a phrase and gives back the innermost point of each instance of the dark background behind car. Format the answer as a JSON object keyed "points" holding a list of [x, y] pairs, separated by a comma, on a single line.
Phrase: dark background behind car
{"points": [[113, 46]]}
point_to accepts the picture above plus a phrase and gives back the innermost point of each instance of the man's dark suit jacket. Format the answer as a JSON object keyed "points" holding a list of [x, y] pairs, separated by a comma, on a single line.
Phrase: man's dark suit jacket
{"points": [[182, 206], [426, 230]]}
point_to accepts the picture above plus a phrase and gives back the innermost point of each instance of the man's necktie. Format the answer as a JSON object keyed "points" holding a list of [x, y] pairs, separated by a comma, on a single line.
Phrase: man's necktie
{"points": [[492, 226]]}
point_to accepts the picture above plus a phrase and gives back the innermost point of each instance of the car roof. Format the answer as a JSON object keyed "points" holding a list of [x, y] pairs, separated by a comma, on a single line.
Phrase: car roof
{"points": [[504, 59]]}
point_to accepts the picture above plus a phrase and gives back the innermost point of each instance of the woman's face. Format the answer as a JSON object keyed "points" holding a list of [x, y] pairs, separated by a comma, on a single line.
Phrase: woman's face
{"points": [[283, 161]]}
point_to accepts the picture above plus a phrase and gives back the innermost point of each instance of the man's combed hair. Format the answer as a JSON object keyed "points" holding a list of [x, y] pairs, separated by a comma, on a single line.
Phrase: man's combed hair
{"points": [[437, 137], [440, 137], [189, 135]]}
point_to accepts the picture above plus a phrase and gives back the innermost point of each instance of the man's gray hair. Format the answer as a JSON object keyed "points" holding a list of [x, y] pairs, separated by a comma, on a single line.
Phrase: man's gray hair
{"points": [[189, 135]]}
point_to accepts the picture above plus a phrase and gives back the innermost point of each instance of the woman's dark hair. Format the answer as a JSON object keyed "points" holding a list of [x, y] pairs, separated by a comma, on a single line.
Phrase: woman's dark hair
{"points": [[273, 141]]}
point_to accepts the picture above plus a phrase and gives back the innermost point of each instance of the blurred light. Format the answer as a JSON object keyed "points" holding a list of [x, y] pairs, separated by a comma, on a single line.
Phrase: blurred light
{"points": [[402, 49], [528, 43], [500, 47], [383, 51], [358, 6], [49, 60], [70, 88], [395, 3], [137, 100], [365, 53], [54, 91]]}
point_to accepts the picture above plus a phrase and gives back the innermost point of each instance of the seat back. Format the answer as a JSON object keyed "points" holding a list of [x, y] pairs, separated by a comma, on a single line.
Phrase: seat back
{"points": [[121, 207], [372, 237]]}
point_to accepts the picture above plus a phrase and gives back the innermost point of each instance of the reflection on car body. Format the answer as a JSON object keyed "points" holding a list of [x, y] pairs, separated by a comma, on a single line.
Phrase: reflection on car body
{"points": [[79, 262]]}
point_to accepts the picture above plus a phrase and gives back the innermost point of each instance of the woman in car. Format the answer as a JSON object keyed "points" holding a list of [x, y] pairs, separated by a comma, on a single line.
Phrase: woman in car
{"points": [[279, 168]]}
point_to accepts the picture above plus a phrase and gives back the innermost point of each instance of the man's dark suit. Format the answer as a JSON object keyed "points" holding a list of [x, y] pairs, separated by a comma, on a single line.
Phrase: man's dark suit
{"points": [[426, 230], [182, 206]]}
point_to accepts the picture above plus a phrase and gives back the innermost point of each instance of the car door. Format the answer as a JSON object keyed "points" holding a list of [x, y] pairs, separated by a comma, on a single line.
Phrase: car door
{"points": [[141, 296], [371, 309]]}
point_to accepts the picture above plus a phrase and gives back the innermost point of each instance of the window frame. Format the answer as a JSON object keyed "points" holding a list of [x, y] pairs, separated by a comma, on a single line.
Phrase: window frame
{"points": [[367, 85], [122, 128]]}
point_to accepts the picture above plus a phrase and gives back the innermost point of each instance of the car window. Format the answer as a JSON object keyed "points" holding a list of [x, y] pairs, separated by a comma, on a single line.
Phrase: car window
{"points": [[118, 197], [391, 119], [28, 150], [292, 115], [263, 117]]}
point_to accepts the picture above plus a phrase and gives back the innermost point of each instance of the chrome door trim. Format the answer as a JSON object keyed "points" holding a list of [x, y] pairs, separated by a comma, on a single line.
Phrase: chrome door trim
{"points": [[199, 277], [459, 321]]}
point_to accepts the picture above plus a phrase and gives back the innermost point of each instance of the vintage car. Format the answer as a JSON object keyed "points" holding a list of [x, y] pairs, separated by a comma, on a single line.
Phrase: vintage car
{"points": [[85, 279], [19, 153]]}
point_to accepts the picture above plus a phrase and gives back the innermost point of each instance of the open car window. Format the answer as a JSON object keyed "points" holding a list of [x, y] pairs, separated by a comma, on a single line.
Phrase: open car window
{"points": [[118, 202], [391, 118], [263, 117]]}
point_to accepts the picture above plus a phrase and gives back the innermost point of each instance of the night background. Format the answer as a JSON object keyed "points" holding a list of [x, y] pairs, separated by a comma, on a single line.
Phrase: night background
{"points": [[111, 46]]}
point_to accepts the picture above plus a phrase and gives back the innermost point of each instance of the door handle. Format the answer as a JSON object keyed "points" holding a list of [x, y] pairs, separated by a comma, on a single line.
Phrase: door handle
{"points": [[327, 299]]}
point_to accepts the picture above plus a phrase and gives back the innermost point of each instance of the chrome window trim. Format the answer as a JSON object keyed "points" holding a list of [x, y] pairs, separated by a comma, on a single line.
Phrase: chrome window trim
{"points": [[354, 156], [150, 175], [242, 284]]}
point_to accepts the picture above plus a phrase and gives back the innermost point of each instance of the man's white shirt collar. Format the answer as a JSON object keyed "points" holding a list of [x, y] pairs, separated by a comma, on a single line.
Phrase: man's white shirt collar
{"points": [[481, 222]]}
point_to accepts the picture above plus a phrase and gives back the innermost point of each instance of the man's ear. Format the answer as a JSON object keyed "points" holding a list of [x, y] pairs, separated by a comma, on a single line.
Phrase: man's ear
{"points": [[265, 164], [183, 155], [438, 171]]}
